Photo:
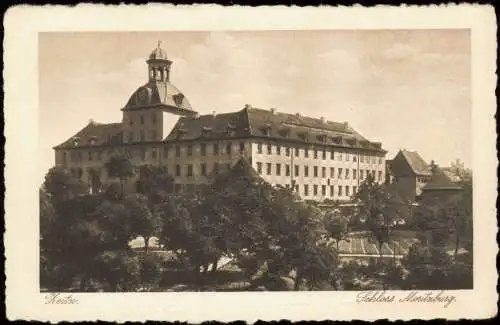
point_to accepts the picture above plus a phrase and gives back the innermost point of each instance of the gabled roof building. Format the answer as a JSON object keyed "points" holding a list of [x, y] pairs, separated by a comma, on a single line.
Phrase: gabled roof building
{"points": [[319, 159]]}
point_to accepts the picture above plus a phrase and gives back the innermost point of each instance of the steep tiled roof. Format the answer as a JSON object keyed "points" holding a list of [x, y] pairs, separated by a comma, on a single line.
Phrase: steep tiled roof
{"points": [[417, 164], [439, 181], [95, 134], [254, 122]]}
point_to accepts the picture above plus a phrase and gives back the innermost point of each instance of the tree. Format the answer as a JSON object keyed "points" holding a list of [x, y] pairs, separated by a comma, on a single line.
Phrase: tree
{"points": [[60, 185], [375, 205], [143, 221], [336, 227], [154, 182], [119, 167], [120, 270]]}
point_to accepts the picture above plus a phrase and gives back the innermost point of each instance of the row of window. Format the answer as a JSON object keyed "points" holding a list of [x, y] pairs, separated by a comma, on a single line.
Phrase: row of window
{"points": [[316, 153], [142, 136], [341, 190], [142, 120], [216, 149], [216, 169], [342, 173]]}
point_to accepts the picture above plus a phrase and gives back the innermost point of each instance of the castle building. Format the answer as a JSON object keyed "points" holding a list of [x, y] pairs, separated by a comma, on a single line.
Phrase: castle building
{"points": [[317, 158]]}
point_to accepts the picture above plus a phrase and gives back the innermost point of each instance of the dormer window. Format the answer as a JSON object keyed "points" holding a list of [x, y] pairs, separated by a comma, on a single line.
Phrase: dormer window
{"points": [[337, 139], [92, 140], [266, 129], [321, 138], [181, 132], [205, 130], [303, 136], [284, 132], [230, 129], [178, 99], [75, 141]]}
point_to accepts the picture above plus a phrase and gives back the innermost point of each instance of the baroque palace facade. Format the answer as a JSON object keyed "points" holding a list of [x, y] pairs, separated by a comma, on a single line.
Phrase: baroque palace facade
{"points": [[319, 159]]}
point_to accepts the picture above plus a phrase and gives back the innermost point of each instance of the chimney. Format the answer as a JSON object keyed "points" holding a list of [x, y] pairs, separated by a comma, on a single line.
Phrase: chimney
{"points": [[214, 113], [91, 122], [346, 125], [196, 115], [297, 114], [248, 106], [273, 111], [322, 118]]}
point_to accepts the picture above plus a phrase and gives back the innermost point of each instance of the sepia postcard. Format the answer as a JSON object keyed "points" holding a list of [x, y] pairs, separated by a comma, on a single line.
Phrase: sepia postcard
{"points": [[197, 163]]}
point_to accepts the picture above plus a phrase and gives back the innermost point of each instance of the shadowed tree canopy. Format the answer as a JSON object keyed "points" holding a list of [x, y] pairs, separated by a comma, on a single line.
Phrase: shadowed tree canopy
{"points": [[119, 167], [154, 182]]}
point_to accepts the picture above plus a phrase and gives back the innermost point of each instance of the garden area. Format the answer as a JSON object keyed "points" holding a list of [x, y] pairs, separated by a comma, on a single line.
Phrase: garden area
{"points": [[238, 233]]}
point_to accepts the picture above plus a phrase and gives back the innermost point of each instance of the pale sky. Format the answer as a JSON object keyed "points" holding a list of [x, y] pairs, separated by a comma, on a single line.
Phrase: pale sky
{"points": [[407, 89]]}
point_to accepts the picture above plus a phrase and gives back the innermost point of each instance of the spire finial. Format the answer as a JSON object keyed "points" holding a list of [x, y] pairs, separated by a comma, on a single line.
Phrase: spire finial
{"points": [[159, 43]]}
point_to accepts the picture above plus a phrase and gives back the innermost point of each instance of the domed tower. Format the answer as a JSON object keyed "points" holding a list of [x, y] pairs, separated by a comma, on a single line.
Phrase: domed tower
{"points": [[143, 114]]}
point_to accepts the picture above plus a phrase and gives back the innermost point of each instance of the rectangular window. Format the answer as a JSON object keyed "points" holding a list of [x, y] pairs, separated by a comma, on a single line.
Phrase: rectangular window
{"points": [[228, 148], [216, 149], [306, 171], [287, 151], [380, 175], [203, 149], [287, 170], [297, 188], [306, 190], [278, 149], [153, 153], [242, 146], [347, 156], [354, 174], [259, 168], [354, 158], [269, 149], [142, 119], [142, 135], [339, 174], [165, 152], [216, 168], [190, 150], [332, 172], [278, 169], [268, 168], [340, 156], [177, 151], [324, 154], [315, 153], [190, 170], [340, 191], [296, 152], [259, 147], [315, 171], [361, 175], [306, 153], [323, 190], [90, 155], [361, 158], [331, 190], [323, 172], [347, 190], [315, 190], [203, 169], [380, 161], [296, 170], [332, 155], [177, 170], [346, 173], [354, 189]]}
